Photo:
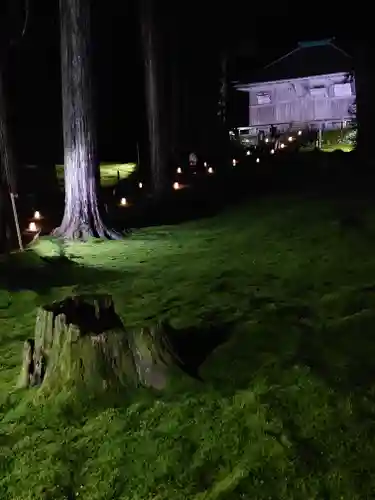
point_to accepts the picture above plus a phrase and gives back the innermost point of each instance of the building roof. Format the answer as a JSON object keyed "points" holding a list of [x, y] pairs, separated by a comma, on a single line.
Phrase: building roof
{"points": [[307, 59]]}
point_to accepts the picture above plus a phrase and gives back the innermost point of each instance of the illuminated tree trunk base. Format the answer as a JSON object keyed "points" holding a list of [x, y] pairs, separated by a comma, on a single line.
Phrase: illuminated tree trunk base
{"points": [[73, 228], [81, 342]]}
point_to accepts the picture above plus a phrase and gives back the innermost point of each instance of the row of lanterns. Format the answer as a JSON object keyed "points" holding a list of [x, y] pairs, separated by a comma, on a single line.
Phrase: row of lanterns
{"points": [[32, 227], [272, 151]]}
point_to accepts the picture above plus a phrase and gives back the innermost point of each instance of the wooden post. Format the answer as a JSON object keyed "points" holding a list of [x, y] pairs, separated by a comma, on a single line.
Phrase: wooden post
{"points": [[319, 140], [138, 156]]}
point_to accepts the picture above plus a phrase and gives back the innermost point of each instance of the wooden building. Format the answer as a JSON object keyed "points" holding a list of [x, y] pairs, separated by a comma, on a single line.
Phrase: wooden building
{"points": [[311, 87]]}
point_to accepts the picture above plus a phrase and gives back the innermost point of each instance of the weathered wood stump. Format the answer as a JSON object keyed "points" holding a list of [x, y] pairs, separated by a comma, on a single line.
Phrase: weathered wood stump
{"points": [[81, 340]]}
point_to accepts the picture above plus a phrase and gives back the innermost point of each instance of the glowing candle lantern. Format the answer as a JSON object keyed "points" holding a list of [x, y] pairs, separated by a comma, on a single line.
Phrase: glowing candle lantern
{"points": [[179, 170], [36, 214], [258, 160], [300, 132], [140, 185], [210, 170], [32, 227], [123, 202], [234, 162], [272, 151], [266, 140], [176, 186], [205, 164], [290, 139], [248, 153], [282, 146]]}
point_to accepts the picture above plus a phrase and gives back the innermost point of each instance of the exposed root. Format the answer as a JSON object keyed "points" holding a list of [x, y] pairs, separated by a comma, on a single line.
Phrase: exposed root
{"points": [[82, 231]]}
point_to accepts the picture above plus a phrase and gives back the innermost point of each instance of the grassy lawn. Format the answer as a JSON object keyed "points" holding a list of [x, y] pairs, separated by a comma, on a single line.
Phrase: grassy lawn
{"points": [[347, 148], [287, 407], [108, 172]]}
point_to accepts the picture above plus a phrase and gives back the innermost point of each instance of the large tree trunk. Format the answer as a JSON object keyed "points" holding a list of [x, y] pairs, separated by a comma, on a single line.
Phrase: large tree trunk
{"points": [[150, 41], [81, 217]]}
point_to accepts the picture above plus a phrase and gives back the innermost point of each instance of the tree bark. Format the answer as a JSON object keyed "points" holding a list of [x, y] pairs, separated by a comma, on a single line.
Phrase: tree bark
{"points": [[7, 178], [150, 42], [81, 341], [223, 99], [364, 80], [81, 218]]}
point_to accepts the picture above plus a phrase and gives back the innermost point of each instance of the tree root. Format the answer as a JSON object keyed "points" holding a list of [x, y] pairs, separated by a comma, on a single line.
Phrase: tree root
{"points": [[77, 230]]}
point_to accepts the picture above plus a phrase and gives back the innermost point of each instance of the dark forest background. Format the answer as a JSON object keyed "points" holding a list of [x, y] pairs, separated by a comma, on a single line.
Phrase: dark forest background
{"points": [[192, 36]]}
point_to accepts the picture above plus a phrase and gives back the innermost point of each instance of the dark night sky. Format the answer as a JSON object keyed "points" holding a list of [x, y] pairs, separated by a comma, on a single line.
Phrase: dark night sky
{"points": [[32, 69]]}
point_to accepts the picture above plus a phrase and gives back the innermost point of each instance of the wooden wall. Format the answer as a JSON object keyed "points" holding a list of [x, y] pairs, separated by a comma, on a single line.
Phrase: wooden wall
{"points": [[300, 101]]}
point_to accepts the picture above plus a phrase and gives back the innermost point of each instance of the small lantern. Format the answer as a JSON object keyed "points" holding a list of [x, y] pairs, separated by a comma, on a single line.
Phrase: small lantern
{"points": [[176, 186], [205, 164], [234, 162], [272, 151], [248, 153], [258, 160], [140, 185], [290, 138], [179, 170], [32, 227], [282, 146], [210, 170], [300, 132], [36, 214], [123, 202]]}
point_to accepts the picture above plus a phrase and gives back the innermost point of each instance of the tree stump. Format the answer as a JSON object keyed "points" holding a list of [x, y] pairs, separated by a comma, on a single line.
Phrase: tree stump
{"points": [[81, 340]]}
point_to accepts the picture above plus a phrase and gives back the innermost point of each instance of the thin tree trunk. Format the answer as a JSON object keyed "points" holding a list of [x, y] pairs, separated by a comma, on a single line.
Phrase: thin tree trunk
{"points": [[223, 89], [7, 177], [81, 217], [364, 102], [153, 97]]}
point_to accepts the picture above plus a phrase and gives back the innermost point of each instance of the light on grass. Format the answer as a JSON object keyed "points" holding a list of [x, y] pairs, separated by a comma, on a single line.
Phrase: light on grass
{"points": [[32, 227], [36, 214], [176, 186], [210, 170], [179, 170], [123, 202]]}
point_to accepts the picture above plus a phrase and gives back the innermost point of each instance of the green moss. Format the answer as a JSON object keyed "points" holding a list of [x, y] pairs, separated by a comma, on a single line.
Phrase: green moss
{"points": [[287, 407], [108, 172]]}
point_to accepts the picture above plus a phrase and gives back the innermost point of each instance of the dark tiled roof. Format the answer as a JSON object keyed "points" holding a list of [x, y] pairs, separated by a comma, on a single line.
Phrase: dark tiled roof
{"points": [[308, 59]]}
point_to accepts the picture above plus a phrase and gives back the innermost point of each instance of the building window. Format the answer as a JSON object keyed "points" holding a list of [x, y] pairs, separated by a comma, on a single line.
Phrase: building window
{"points": [[263, 98], [342, 90], [318, 92]]}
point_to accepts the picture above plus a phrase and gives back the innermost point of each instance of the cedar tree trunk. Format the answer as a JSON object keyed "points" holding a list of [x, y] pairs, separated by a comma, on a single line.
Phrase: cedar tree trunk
{"points": [[81, 218], [150, 44]]}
